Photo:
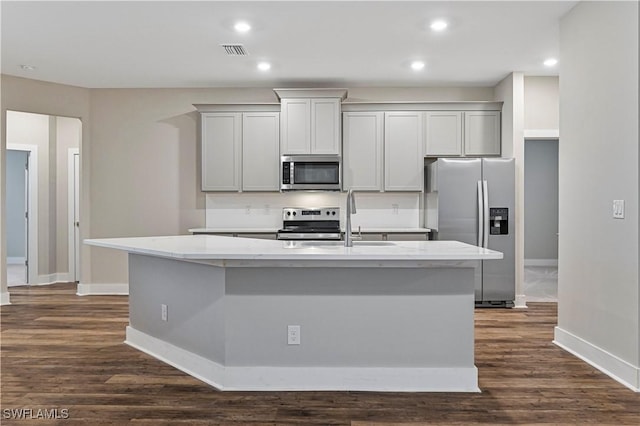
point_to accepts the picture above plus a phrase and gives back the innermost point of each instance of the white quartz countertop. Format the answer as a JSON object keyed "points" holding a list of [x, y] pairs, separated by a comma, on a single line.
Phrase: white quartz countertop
{"points": [[274, 230], [219, 248]]}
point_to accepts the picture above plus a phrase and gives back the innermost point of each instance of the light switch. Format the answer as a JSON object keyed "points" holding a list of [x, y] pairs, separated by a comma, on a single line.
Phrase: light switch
{"points": [[618, 209]]}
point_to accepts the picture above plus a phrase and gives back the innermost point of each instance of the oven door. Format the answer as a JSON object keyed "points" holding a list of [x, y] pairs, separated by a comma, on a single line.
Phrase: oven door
{"points": [[311, 173]]}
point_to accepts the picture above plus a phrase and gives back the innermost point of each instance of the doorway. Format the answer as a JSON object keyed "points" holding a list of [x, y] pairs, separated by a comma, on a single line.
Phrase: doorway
{"points": [[541, 219], [21, 214]]}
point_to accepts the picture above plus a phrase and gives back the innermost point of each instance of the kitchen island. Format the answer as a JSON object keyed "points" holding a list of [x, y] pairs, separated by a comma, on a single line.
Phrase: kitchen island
{"points": [[378, 316]]}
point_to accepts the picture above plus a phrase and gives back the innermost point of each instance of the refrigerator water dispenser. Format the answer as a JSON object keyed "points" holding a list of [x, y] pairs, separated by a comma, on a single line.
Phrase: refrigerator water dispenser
{"points": [[498, 221]]}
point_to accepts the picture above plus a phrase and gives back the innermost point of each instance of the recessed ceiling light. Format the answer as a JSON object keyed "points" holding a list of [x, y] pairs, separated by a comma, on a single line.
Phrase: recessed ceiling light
{"points": [[550, 62], [242, 27], [439, 25], [27, 67], [264, 66], [417, 65]]}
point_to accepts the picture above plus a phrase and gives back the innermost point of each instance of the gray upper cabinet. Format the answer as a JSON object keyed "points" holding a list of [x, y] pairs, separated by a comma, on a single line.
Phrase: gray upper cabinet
{"points": [[295, 126], [325, 126], [310, 126], [482, 133], [403, 157], [462, 133], [310, 121], [443, 135], [260, 151], [363, 151], [221, 151], [240, 151]]}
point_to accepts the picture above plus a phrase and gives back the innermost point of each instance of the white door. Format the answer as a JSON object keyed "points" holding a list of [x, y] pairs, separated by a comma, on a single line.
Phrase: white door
{"points": [[26, 218], [76, 217]]}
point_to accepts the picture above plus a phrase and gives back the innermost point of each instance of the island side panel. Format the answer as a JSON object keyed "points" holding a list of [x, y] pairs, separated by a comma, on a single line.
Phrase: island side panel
{"points": [[194, 295], [351, 317]]}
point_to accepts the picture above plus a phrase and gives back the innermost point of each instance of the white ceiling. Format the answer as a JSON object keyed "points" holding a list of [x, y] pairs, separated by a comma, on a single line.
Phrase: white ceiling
{"points": [[309, 43]]}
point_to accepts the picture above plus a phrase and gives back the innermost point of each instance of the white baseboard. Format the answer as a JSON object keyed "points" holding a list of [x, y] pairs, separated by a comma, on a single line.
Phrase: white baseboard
{"points": [[244, 378], [616, 368], [541, 262], [59, 277], [521, 301], [4, 298], [16, 260], [102, 289]]}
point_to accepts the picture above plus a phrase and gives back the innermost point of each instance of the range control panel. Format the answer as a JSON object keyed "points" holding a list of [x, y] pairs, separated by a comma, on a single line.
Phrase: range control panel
{"points": [[498, 221]]}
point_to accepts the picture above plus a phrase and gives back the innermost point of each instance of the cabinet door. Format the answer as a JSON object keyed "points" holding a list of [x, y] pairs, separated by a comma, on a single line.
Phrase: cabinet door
{"points": [[295, 126], [403, 160], [482, 133], [260, 151], [221, 151], [363, 151], [325, 126], [443, 133]]}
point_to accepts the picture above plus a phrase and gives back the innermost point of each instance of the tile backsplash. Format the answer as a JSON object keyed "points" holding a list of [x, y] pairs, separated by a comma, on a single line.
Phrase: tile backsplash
{"points": [[264, 210]]}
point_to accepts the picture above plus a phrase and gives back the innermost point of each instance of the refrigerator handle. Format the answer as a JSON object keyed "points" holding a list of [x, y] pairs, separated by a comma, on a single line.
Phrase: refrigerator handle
{"points": [[485, 193], [480, 215]]}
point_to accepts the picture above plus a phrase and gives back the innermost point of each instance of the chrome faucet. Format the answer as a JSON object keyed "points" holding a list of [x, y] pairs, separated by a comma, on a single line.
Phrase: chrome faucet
{"points": [[351, 209]]}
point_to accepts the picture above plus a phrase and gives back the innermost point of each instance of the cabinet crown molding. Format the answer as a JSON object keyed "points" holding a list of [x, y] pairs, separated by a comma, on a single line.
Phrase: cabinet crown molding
{"points": [[421, 106], [311, 93]]}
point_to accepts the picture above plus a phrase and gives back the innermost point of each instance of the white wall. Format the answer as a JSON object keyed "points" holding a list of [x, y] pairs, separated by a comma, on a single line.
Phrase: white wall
{"points": [[511, 92], [541, 202], [598, 282], [541, 103]]}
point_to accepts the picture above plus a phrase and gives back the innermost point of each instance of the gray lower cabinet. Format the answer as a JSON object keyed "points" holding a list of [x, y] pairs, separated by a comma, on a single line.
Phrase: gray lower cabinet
{"points": [[240, 151]]}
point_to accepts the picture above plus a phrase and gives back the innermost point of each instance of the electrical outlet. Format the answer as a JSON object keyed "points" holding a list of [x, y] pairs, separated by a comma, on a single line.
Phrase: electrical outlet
{"points": [[165, 312], [618, 209], [293, 334], [395, 208]]}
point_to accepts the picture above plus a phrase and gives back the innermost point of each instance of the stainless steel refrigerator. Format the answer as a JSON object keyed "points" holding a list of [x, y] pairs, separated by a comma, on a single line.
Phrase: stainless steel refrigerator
{"points": [[473, 200]]}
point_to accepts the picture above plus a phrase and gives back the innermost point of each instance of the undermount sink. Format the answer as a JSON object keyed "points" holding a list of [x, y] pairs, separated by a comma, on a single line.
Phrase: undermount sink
{"points": [[335, 244]]}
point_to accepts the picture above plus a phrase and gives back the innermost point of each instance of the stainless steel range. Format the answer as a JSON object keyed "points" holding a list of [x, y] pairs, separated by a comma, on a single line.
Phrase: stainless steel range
{"points": [[310, 224]]}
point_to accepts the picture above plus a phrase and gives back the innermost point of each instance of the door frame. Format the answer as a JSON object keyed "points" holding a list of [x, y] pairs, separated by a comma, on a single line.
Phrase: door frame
{"points": [[73, 180], [32, 209]]}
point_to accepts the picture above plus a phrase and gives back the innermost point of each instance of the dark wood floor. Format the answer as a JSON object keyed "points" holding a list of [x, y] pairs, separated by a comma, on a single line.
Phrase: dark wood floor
{"points": [[61, 351]]}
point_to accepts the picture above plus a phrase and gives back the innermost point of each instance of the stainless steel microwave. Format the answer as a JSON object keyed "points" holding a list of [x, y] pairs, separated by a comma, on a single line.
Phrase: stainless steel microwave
{"points": [[310, 173]]}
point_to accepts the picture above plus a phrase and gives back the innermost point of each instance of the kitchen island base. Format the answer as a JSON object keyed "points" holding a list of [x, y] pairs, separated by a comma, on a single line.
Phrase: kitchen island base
{"points": [[370, 326]]}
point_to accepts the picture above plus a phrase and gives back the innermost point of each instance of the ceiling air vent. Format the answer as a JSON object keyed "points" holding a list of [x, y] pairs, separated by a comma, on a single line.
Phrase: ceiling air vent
{"points": [[234, 49]]}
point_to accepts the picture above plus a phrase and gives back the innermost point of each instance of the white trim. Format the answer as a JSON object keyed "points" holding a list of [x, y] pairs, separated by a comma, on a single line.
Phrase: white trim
{"points": [[114, 289], [16, 260], [611, 365], [521, 301], [33, 207], [5, 298], [70, 211], [541, 262], [243, 378], [542, 134], [57, 277]]}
